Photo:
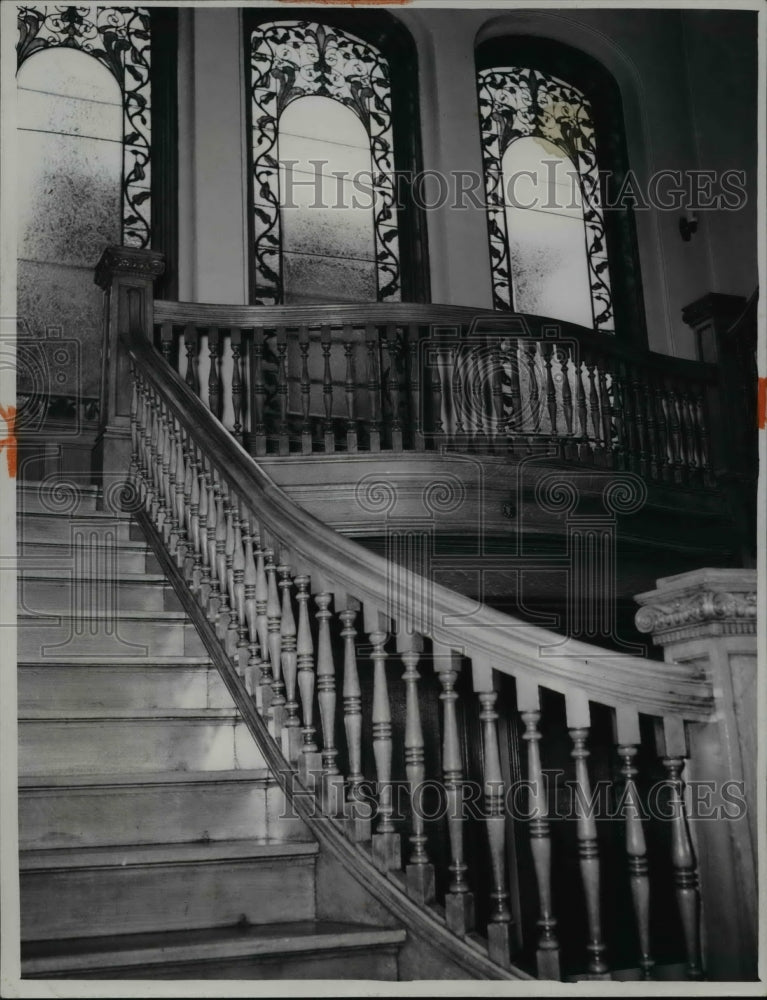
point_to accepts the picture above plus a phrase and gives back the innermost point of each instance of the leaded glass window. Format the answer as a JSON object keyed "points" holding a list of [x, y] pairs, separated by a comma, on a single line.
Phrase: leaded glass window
{"points": [[545, 220], [324, 215]]}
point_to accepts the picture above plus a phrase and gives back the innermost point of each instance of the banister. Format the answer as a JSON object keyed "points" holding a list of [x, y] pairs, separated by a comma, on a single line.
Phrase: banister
{"points": [[610, 679]]}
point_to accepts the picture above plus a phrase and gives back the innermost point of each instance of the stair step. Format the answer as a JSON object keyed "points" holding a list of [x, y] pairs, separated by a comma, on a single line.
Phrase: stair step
{"points": [[118, 557], [114, 683], [42, 526], [152, 740], [39, 590], [64, 811], [295, 950], [164, 887], [130, 633], [64, 498]]}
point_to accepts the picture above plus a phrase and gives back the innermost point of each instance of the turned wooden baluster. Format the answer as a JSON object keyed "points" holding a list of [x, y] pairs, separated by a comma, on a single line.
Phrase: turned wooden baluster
{"points": [[563, 354], [283, 439], [530, 352], [374, 388], [273, 615], [629, 416], [498, 422], [414, 387], [675, 433], [547, 954], [359, 813], [606, 411], [258, 392], [162, 464], [237, 641], [580, 402], [641, 422], [689, 432], [291, 733], [182, 486], [150, 439], [704, 443], [673, 749], [393, 388], [459, 900], [627, 739], [664, 437], [333, 783], [350, 389], [222, 619], [328, 436], [386, 841], [134, 419], [306, 391], [229, 623], [170, 478], [237, 383], [193, 516], [621, 460], [551, 396], [434, 360], [419, 870], [190, 482], [215, 349], [166, 342], [262, 623], [594, 412], [579, 723], [499, 925], [308, 762], [653, 448], [213, 529], [192, 348], [253, 664], [515, 421], [205, 580]]}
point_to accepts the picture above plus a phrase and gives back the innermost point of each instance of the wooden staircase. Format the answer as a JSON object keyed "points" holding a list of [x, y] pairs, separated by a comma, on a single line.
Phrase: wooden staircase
{"points": [[154, 842]]}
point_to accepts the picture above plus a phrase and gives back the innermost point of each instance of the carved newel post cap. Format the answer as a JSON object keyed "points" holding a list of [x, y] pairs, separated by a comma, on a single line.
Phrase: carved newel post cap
{"points": [[130, 261], [705, 602]]}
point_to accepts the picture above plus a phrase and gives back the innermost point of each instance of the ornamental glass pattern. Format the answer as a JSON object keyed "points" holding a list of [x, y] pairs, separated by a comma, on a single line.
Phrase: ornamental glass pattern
{"points": [[314, 64], [119, 37], [519, 104]]}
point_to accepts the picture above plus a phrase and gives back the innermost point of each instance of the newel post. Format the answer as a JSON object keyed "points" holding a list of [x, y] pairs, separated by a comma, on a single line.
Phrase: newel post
{"points": [[127, 276], [707, 619]]}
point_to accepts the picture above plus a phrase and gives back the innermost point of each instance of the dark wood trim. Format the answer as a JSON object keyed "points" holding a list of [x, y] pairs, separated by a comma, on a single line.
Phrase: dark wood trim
{"points": [[598, 85], [382, 29], [164, 161]]}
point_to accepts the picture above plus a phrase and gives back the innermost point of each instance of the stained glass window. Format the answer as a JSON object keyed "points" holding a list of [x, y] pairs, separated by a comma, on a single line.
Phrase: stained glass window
{"points": [[545, 219], [324, 216]]}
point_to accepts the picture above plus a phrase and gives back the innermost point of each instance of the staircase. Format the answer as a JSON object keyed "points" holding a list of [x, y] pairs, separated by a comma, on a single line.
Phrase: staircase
{"points": [[154, 843]]}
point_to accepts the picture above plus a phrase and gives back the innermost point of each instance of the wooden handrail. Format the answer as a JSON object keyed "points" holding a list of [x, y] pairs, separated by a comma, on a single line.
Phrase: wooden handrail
{"points": [[493, 640]]}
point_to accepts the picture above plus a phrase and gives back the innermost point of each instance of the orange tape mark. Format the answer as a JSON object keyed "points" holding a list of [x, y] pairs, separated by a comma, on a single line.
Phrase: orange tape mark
{"points": [[8, 413], [761, 404]]}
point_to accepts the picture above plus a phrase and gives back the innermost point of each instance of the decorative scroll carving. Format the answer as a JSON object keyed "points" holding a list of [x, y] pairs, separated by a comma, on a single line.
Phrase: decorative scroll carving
{"points": [[292, 59], [516, 103], [731, 612], [119, 37]]}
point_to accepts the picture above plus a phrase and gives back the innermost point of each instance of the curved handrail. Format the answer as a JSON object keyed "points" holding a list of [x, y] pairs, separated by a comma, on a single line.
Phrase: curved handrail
{"points": [[614, 680]]}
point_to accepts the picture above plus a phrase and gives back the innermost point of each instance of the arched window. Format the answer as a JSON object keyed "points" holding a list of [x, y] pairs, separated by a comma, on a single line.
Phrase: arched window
{"points": [[551, 121], [327, 219]]}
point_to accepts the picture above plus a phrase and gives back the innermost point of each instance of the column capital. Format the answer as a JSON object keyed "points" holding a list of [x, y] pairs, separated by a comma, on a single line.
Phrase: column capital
{"points": [[128, 261]]}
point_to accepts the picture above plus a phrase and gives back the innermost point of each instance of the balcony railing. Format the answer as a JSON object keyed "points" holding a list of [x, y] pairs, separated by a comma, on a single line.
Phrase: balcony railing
{"points": [[370, 378]]}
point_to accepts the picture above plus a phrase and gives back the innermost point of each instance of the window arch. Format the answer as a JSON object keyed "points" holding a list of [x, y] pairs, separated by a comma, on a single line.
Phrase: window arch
{"points": [[361, 239], [555, 250]]}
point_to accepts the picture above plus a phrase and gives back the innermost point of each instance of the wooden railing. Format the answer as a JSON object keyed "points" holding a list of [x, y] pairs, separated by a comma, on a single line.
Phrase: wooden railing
{"points": [[366, 691], [412, 377]]}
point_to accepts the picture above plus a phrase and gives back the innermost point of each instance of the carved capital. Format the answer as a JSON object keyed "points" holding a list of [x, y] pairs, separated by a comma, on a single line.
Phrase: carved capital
{"points": [[703, 603], [130, 261]]}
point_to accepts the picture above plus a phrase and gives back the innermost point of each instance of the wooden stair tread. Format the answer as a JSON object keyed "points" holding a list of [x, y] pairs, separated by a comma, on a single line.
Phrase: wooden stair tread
{"points": [[216, 943], [69, 859]]}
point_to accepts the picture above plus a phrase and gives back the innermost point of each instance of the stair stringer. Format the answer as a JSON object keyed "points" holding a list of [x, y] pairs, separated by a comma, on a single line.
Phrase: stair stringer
{"points": [[366, 893]]}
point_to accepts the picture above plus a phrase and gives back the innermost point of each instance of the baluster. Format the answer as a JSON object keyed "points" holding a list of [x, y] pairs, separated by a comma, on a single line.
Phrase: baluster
{"points": [[619, 412], [213, 596], [563, 354], [529, 350], [704, 442], [180, 500], [374, 389], [596, 420], [419, 870], [350, 389], [551, 396], [306, 389], [547, 954], [386, 842], [192, 348], [689, 436], [189, 495], [641, 422], [674, 750], [215, 349], [204, 591], [291, 732], [222, 573], [193, 515], [309, 761], [459, 900], [392, 353], [664, 437], [677, 463], [237, 383], [414, 370], [499, 926], [653, 446], [578, 723], [273, 615], [326, 343], [134, 418], [150, 440], [606, 414], [333, 789], [262, 625], [630, 418], [515, 424], [627, 740], [166, 342], [283, 439], [253, 664], [161, 466], [435, 364], [498, 424], [359, 811], [580, 401], [237, 641], [258, 392], [459, 436]]}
